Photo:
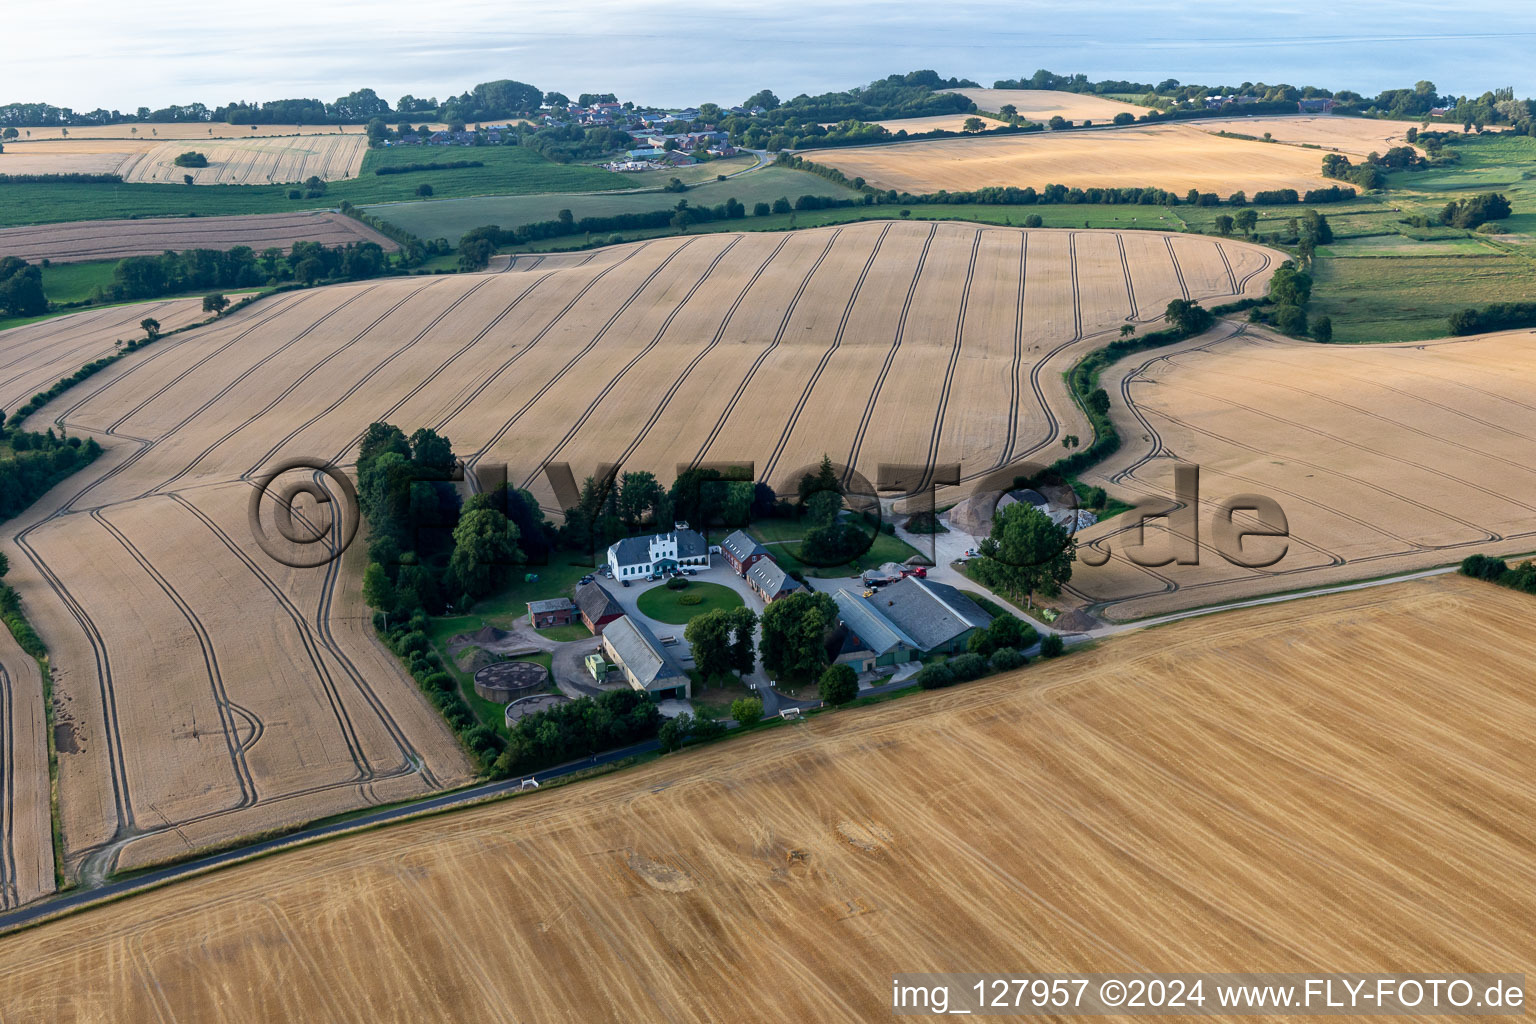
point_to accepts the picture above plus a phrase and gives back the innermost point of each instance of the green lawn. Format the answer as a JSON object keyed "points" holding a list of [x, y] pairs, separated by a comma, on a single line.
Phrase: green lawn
{"points": [[665, 605], [564, 634], [452, 218], [1409, 298], [885, 548], [715, 701], [555, 580], [508, 169]]}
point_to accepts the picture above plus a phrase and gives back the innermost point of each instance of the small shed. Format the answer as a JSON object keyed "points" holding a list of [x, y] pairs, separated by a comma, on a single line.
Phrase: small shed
{"points": [[554, 611]]}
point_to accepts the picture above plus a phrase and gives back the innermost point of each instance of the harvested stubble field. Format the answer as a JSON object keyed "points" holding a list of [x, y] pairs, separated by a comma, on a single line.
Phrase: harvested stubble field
{"points": [[269, 161], [1357, 136], [260, 160], [142, 576], [1169, 156], [938, 122], [34, 357], [83, 240], [1043, 104], [72, 156], [26, 823], [1268, 790], [1385, 459]]}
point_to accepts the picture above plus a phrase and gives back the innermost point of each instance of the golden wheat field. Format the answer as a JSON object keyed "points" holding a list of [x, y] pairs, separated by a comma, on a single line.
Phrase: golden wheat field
{"points": [[1041, 104], [1275, 789], [33, 357], [1384, 459], [258, 160], [72, 156], [1356, 136], [82, 240], [207, 692], [255, 161], [1173, 157], [26, 836], [938, 122]]}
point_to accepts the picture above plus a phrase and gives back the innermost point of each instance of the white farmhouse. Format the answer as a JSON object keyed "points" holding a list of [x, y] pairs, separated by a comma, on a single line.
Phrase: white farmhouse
{"points": [[638, 557]]}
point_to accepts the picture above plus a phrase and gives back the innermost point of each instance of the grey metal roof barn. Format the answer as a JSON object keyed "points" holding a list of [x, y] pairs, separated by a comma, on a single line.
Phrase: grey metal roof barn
{"points": [[930, 613], [878, 633], [636, 648]]}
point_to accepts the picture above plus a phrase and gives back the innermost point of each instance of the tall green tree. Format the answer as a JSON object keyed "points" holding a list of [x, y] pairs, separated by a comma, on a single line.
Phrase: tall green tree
{"points": [[839, 684], [743, 627], [484, 552], [640, 494], [795, 629], [1026, 552], [709, 637]]}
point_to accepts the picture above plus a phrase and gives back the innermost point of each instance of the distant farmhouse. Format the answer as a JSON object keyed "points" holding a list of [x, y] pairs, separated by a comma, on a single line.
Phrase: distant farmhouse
{"points": [[638, 557], [646, 664], [770, 582]]}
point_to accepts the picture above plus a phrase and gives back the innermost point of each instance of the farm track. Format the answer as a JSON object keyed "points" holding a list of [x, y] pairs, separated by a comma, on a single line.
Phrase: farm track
{"points": [[190, 421]]}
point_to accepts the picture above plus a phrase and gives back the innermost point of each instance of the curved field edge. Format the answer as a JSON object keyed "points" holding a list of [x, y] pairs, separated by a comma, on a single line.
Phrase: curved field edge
{"points": [[1387, 460]]}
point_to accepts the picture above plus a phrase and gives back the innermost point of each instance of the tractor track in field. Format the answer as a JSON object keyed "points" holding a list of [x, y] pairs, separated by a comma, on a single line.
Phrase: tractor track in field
{"points": [[762, 356], [291, 388], [479, 389], [949, 370], [725, 323], [548, 385], [890, 356], [607, 389], [248, 791], [377, 368], [209, 403], [479, 336], [321, 632], [826, 357]]}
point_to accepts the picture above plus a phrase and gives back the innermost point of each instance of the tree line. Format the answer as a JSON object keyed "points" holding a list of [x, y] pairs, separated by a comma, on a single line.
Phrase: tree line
{"points": [[1498, 316], [146, 277], [1496, 570], [501, 98], [32, 462]]}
